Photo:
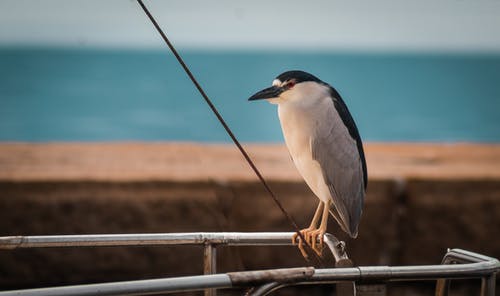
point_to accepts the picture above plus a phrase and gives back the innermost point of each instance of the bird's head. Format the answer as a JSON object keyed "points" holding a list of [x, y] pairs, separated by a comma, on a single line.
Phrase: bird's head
{"points": [[291, 85]]}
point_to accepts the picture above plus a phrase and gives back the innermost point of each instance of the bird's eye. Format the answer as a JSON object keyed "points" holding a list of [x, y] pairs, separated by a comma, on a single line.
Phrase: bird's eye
{"points": [[290, 84]]}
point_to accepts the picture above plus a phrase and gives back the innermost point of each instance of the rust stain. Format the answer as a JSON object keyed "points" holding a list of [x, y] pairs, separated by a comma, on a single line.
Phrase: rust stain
{"points": [[284, 275]]}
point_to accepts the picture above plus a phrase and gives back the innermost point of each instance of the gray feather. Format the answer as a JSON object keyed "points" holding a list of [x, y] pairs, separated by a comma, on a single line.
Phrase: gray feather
{"points": [[338, 155]]}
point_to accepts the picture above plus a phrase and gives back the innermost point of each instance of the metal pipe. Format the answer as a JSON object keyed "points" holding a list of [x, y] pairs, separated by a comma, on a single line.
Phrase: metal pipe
{"points": [[488, 285], [483, 266], [209, 239], [328, 275], [403, 273], [485, 270], [197, 238], [455, 256], [266, 289], [463, 256], [210, 265], [335, 246], [442, 287], [143, 287]]}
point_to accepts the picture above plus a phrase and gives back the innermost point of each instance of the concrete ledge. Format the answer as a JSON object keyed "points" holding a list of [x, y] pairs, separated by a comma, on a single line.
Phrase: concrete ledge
{"points": [[422, 198], [189, 161]]}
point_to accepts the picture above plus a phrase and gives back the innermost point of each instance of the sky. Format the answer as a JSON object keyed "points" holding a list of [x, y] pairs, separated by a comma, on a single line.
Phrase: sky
{"points": [[383, 25]]}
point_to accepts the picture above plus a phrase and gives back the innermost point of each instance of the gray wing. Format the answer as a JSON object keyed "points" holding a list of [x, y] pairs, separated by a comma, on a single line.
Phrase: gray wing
{"points": [[342, 162]]}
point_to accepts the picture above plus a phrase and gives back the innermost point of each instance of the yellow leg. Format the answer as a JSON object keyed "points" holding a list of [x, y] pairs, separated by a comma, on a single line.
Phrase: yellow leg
{"points": [[315, 219], [309, 233], [320, 232]]}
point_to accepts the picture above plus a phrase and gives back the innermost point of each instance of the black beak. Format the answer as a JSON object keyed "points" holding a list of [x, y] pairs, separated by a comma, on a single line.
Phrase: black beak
{"points": [[270, 92]]}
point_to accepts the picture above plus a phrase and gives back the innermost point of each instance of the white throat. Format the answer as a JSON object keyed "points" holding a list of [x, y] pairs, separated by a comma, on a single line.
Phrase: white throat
{"points": [[304, 94]]}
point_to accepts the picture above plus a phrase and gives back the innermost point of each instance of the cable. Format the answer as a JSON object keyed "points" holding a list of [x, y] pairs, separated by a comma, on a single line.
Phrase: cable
{"points": [[226, 127]]}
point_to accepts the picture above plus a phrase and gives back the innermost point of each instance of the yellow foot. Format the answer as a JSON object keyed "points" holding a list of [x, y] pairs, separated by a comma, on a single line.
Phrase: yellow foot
{"points": [[313, 237]]}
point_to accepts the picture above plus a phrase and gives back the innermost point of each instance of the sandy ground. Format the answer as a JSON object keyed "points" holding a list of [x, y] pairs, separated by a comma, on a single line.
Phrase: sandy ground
{"points": [[187, 161]]}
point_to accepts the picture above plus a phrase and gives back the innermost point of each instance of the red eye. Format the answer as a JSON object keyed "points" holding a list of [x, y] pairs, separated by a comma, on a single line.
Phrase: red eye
{"points": [[291, 84]]}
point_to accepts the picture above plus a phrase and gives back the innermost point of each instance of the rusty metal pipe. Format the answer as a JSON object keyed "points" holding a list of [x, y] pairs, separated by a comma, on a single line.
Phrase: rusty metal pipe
{"points": [[297, 276]]}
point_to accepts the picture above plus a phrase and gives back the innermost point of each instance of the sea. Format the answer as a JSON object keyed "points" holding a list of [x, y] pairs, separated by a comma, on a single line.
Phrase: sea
{"points": [[69, 94]]}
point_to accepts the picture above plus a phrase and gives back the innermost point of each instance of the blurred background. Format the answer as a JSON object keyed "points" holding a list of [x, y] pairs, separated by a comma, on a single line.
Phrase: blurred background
{"points": [[101, 131], [97, 71]]}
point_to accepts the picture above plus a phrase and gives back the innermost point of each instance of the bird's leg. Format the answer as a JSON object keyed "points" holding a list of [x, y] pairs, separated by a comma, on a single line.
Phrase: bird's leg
{"points": [[318, 234], [311, 227], [306, 233]]}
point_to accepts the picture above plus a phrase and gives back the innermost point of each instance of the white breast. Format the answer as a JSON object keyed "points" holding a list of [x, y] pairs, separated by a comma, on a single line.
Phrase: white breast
{"points": [[299, 118]]}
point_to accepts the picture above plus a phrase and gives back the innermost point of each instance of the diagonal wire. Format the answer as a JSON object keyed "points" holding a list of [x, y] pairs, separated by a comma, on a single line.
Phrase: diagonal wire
{"points": [[226, 127]]}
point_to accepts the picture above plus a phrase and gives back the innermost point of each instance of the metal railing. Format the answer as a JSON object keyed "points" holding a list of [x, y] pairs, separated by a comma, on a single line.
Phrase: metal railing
{"points": [[456, 264], [209, 240]]}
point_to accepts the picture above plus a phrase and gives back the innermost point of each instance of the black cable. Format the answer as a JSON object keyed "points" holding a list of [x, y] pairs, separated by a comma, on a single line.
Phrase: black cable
{"points": [[226, 127]]}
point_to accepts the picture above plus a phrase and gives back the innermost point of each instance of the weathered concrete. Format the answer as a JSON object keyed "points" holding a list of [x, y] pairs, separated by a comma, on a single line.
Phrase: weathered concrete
{"points": [[422, 198]]}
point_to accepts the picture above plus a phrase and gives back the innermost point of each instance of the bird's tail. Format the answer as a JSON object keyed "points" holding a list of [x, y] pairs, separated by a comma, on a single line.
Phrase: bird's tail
{"points": [[346, 224]]}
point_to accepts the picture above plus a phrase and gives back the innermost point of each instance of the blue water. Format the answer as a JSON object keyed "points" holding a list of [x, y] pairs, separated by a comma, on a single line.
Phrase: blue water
{"points": [[96, 95]]}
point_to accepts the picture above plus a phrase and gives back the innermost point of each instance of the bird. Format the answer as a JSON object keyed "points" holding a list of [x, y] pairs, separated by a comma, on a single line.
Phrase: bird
{"points": [[326, 148]]}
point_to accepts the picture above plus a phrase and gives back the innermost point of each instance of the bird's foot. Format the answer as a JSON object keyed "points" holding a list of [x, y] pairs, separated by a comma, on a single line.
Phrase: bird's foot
{"points": [[313, 237], [297, 239], [317, 241]]}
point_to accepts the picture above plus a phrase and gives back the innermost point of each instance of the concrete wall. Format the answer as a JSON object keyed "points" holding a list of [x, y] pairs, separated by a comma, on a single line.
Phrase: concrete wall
{"points": [[422, 199]]}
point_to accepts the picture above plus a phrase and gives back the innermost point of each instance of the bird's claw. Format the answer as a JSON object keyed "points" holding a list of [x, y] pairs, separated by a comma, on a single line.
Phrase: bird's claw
{"points": [[316, 241], [313, 237], [296, 240]]}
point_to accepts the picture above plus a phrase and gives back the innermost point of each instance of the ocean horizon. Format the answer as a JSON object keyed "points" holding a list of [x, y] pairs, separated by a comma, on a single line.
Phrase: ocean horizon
{"points": [[64, 94]]}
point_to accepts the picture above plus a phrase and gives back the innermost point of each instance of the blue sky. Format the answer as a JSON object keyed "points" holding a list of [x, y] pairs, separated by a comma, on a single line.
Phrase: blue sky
{"points": [[383, 25]]}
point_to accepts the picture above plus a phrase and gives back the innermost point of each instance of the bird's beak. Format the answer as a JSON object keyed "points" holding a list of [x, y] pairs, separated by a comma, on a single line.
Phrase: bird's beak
{"points": [[268, 93]]}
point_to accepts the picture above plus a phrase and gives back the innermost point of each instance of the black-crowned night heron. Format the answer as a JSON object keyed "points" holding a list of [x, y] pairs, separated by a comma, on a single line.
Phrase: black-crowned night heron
{"points": [[325, 146]]}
